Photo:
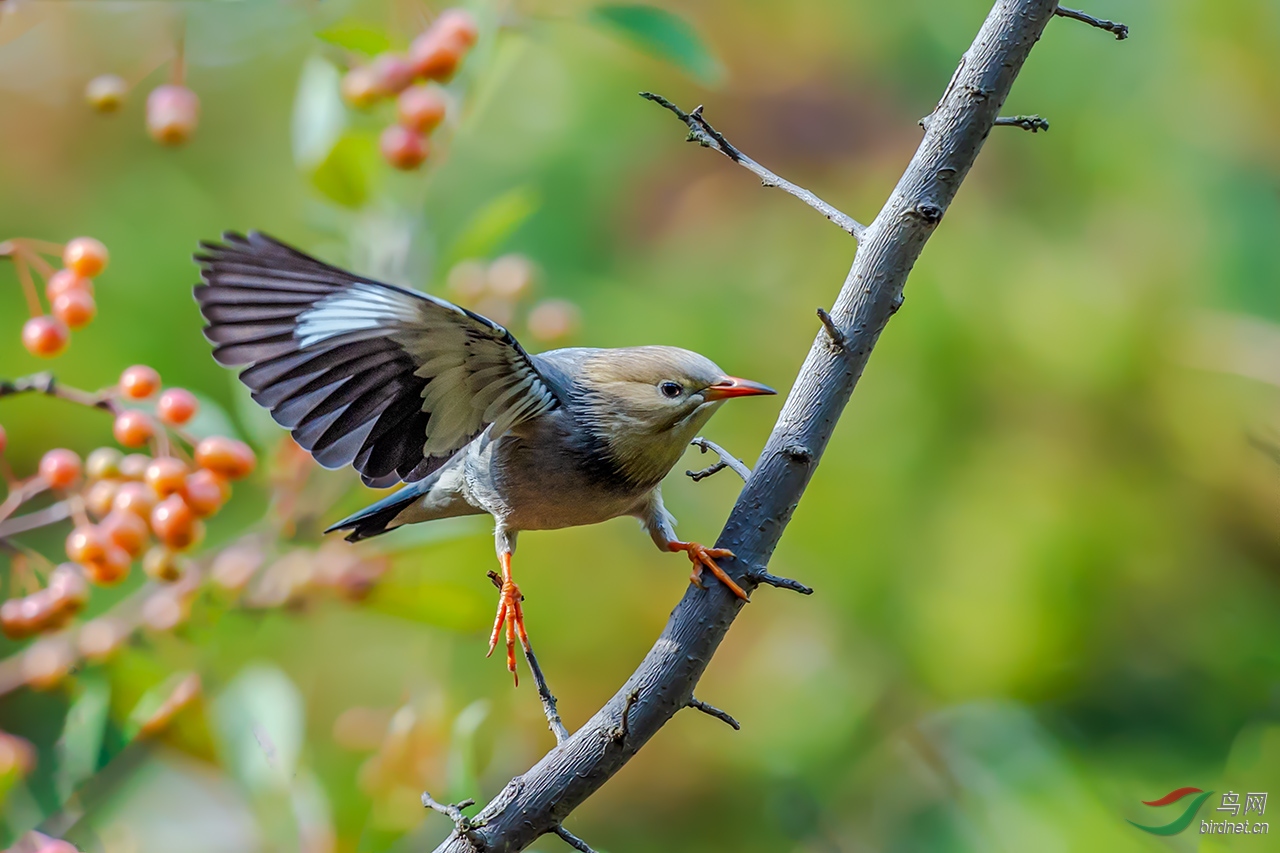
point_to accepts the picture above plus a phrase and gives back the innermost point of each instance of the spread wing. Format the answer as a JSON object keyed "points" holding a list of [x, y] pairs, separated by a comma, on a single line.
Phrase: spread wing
{"points": [[362, 372]]}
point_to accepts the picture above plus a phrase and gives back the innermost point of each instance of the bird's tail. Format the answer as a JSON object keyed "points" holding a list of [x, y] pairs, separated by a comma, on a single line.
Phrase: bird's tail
{"points": [[377, 518]]}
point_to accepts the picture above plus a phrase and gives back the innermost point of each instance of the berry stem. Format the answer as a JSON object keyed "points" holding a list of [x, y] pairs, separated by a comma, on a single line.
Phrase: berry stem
{"points": [[24, 491], [42, 246], [178, 71], [19, 256], [33, 257]]}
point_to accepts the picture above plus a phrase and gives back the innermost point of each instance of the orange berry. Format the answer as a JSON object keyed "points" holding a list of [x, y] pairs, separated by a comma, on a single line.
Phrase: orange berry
{"points": [[111, 568], [75, 308], [126, 530], [553, 320], [402, 148], [205, 492], [100, 497], [392, 72], [66, 281], [134, 466], [67, 587], [166, 476], [435, 55], [420, 108], [162, 564], [139, 382], [103, 463], [359, 87], [174, 523], [105, 93], [60, 468], [133, 428], [225, 456], [86, 543], [172, 114], [45, 336], [176, 406], [457, 25], [135, 498], [85, 256]]}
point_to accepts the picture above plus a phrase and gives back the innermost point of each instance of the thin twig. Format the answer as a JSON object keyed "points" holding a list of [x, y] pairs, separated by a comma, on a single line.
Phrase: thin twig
{"points": [[727, 460], [698, 704], [837, 337], [548, 698], [45, 383], [761, 576], [453, 811], [52, 514], [1121, 30], [19, 256], [619, 732], [701, 132], [572, 840], [1031, 123]]}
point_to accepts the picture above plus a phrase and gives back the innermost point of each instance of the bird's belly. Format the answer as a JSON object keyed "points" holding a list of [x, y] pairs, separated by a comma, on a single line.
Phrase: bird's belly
{"points": [[550, 506]]}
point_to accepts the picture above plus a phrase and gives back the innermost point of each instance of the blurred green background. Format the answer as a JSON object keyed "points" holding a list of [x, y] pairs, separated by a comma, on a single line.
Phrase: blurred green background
{"points": [[1045, 539]]}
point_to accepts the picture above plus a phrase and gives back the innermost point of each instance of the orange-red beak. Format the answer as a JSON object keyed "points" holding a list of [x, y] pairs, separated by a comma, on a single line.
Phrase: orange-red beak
{"points": [[732, 386]]}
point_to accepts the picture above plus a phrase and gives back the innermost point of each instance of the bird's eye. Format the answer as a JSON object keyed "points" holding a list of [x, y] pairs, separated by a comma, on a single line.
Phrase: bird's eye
{"points": [[671, 390]]}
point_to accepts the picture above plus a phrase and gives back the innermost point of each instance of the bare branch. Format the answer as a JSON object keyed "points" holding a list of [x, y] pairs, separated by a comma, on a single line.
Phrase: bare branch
{"points": [[727, 460], [45, 383], [537, 801], [694, 702], [1121, 30], [572, 840], [462, 825], [548, 699], [1031, 123], [701, 132]]}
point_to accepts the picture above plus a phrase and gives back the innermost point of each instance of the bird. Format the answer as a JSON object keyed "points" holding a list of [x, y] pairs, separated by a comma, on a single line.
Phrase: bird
{"points": [[411, 389]]}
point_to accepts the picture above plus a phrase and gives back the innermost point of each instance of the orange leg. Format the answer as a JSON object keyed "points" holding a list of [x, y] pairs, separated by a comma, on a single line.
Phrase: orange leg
{"points": [[510, 613], [703, 557]]}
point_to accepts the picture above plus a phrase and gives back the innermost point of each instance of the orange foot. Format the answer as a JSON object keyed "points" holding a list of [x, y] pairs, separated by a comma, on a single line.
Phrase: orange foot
{"points": [[511, 614], [703, 557]]}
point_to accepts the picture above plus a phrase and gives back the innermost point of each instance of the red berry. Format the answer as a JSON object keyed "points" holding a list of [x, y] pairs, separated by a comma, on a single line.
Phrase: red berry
{"points": [[172, 114], [105, 93], [65, 281], [359, 87], [60, 468], [457, 25], [135, 498], [420, 108], [86, 543], [176, 406], [111, 568], [139, 382], [174, 523], [133, 428], [126, 531], [205, 492], [4, 439], [162, 564], [45, 336], [85, 256], [67, 587], [392, 72], [435, 55], [75, 308], [100, 497], [225, 456], [402, 148], [166, 476]]}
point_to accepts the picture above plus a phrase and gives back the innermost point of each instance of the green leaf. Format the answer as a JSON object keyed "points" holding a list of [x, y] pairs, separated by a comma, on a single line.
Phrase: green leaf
{"points": [[661, 34], [464, 757], [318, 114], [344, 174], [258, 722], [358, 37], [80, 744], [495, 222]]}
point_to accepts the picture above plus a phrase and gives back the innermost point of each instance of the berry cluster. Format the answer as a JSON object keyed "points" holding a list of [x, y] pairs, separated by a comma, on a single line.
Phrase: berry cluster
{"points": [[434, 55], [498, 288], [69, 290], [173, 110]]}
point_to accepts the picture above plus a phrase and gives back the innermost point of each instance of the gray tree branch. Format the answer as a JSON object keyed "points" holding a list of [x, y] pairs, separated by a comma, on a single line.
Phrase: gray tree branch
{"points": [[537, 802]]}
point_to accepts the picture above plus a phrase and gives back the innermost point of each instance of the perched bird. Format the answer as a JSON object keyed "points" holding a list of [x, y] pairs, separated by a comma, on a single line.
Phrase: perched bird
{"points": [[410, 388]]}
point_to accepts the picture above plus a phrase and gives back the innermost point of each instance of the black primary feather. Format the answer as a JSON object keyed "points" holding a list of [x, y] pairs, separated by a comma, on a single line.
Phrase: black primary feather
{"points": [[345, 362]]}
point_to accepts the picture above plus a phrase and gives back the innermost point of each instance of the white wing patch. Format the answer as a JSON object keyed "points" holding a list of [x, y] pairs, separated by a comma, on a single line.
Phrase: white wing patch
{"points": [[361, 308]]}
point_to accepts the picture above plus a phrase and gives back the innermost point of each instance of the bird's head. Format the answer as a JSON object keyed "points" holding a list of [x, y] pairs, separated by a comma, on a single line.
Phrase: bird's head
{"points": [[647, 403]]}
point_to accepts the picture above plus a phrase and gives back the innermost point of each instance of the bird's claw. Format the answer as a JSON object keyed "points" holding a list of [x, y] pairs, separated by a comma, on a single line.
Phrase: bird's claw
{"points": [[510, 614], [703, 557]]}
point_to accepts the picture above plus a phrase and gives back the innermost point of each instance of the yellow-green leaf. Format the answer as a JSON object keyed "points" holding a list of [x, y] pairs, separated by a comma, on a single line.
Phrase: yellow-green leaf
{"points": [[663, 35]]}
